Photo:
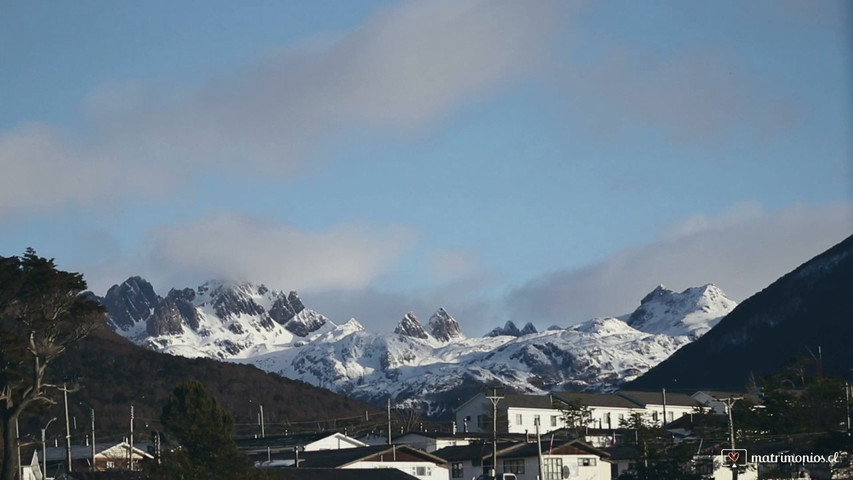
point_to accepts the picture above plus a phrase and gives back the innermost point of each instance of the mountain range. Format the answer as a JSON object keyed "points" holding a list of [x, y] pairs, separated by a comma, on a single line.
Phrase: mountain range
{"points": [[806, 316], [434, 366]]}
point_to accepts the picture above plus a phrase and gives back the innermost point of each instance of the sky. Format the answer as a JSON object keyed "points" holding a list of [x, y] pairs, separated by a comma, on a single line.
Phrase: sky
{"points": [[528, 161]]}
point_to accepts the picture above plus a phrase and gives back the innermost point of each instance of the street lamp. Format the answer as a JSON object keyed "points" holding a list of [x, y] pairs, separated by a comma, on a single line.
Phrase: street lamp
{"points": [[44, 448]]}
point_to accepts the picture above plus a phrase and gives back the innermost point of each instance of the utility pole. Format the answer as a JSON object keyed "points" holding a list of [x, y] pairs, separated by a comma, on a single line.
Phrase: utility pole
{"points": [[389, 420], [494, 398], [18, 442], [262, 419], [663, 394], [539, 449], [67, 428], [847, 405], [93, 438], [730, 402], [130, 447]]}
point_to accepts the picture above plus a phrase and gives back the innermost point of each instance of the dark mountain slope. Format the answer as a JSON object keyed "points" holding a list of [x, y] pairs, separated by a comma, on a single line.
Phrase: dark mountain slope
{"points": [[809, 307], [115, 374]]}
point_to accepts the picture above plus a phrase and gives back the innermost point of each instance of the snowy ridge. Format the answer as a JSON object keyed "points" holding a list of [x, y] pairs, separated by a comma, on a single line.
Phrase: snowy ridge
{"points": [[692, 312], [433, 366]]}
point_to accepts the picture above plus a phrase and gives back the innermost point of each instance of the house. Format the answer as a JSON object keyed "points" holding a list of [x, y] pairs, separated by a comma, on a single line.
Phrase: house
{"points": [[607, 410], [336, 474], [715, 467], [432, 441], [469, 461], [108, 456], [308, 442], [575, 459], [622, 458], [418, 463], [713, 399], [654, 404], [517, 413]]}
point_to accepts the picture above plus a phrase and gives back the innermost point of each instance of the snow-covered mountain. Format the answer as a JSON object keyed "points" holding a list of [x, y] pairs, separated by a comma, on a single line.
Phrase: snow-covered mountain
{"points": [[692, 312], [218, 319], [437, 365]]}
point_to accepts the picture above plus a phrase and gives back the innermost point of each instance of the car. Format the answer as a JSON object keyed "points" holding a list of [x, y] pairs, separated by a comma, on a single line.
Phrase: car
{"points": [[501, 476]]}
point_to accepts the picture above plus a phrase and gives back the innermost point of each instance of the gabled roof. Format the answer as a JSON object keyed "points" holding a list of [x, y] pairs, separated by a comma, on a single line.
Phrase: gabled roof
{"points": [[470, 452], [526, 401], [656, 398], [719, 394], [81, 452], [575, 447], [623, 452], [338, 474], [291, 440], [596, 399], [347, 456]]}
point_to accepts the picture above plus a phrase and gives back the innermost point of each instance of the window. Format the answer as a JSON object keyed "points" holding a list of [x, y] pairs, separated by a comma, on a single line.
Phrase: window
{"points": [[422, 471], [553, 420], [483, 421], [553, 468], [586, 462], [111, 464], [518, 419], [536, 420], [515, 465], [670, 415], [621, 417], [456, 470], [655, 416]]}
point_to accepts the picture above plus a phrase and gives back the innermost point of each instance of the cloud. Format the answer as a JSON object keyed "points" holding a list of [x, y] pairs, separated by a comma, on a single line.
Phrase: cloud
{"points": [[405, 68], [741, 251], [233, 246], [691, 94]]}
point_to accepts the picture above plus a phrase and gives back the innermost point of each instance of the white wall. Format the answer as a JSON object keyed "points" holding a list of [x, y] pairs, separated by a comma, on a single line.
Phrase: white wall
{"points": [[436, 472], [334, 442]]}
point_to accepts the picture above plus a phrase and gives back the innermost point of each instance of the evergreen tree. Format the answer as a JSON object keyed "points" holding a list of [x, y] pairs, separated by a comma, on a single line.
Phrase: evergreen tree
{"points": [[43, 311], [203, 431]]}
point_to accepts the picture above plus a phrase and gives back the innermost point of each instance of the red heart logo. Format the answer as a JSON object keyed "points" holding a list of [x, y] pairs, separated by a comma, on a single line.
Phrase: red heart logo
{"points": [[733, 456]]}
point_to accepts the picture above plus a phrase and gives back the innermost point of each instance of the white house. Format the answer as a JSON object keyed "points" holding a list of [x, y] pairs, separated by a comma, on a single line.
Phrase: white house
{"points": [[654, 404], [713, 399], [717, 468], [418, 463], [573, 460], [108, 456], [432, 441], [607, 410], [516, 414]]}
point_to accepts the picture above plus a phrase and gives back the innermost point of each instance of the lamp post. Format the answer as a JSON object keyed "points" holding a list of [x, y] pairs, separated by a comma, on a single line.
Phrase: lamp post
{"points": [[92, 416], [44, 448]]}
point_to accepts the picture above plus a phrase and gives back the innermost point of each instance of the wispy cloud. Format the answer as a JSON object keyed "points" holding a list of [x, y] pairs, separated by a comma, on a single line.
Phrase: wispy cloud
{"points": [[740, 251], [403, 69]]}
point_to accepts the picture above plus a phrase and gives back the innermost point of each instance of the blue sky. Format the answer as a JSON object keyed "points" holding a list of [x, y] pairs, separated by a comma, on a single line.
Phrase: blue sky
{"points": [[534, 161]]}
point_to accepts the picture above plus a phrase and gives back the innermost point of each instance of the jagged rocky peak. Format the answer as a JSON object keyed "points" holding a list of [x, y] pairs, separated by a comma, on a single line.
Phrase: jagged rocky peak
{"points": [[232, 299], [411, 327], [528, 329], [443, 327], [509, 328], [131, 302], [692, 312], [295, 301]]}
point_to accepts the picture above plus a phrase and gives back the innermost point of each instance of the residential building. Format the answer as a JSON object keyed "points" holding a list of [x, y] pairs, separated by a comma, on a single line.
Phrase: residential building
{"points": [[655, 404], [575, 459], [713, 399], [418, 463]]}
